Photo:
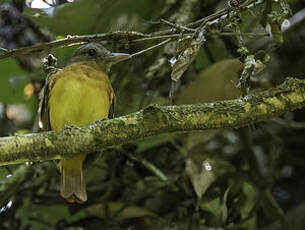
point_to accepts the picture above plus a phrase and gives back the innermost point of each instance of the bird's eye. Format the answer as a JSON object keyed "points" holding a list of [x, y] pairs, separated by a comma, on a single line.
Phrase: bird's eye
{"points": [[92, 52]]}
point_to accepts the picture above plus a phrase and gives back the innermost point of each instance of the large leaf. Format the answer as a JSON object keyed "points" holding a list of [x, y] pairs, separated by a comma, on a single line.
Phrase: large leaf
{"points": [[217, 82]]}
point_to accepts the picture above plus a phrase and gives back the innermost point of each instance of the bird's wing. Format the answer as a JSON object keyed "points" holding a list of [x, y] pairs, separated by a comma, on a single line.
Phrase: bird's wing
{"points": [[112, 107], [43, 108]]}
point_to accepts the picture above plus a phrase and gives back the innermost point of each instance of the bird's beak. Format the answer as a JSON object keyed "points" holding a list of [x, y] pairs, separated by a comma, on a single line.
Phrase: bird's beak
{"points": [[117, 57]]}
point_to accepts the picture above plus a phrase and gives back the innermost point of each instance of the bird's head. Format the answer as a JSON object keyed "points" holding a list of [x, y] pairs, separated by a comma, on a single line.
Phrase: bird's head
{"points": [[98, 53]]}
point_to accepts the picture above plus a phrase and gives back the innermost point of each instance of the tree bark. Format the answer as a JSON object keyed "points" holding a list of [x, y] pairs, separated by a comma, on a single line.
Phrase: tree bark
{"points": [[153, 120]]}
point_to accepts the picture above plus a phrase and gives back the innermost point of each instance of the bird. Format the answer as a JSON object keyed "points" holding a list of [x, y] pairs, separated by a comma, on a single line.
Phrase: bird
{"points": [[78, 95]]}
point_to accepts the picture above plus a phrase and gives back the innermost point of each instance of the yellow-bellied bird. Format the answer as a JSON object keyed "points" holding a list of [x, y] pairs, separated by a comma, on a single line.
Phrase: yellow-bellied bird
{"points": [[77, 95]]}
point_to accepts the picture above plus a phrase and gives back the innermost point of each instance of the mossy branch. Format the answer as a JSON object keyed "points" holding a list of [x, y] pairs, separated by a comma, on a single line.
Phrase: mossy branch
{"points": [[154, 120]]}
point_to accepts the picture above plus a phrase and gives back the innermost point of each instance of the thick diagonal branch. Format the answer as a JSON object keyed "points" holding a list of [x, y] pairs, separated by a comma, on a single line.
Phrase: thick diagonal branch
{"points": [[154, 120]]}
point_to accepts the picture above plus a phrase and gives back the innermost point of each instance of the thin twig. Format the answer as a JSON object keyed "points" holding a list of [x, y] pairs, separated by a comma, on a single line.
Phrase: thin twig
{"points": [[131, 36], [160, 37], [211, 17], [75, 40], [150, 48], [179, 27], [251, 35], [289, 124], [3, 49], [150, 166]]}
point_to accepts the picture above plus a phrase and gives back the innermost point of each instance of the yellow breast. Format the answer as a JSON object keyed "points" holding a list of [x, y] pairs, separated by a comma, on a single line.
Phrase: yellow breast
{"points": [[80, 94]]}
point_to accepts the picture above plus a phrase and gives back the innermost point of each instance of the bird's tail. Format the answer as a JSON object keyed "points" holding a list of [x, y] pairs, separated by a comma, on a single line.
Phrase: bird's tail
{"points": [[73, 187]]}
